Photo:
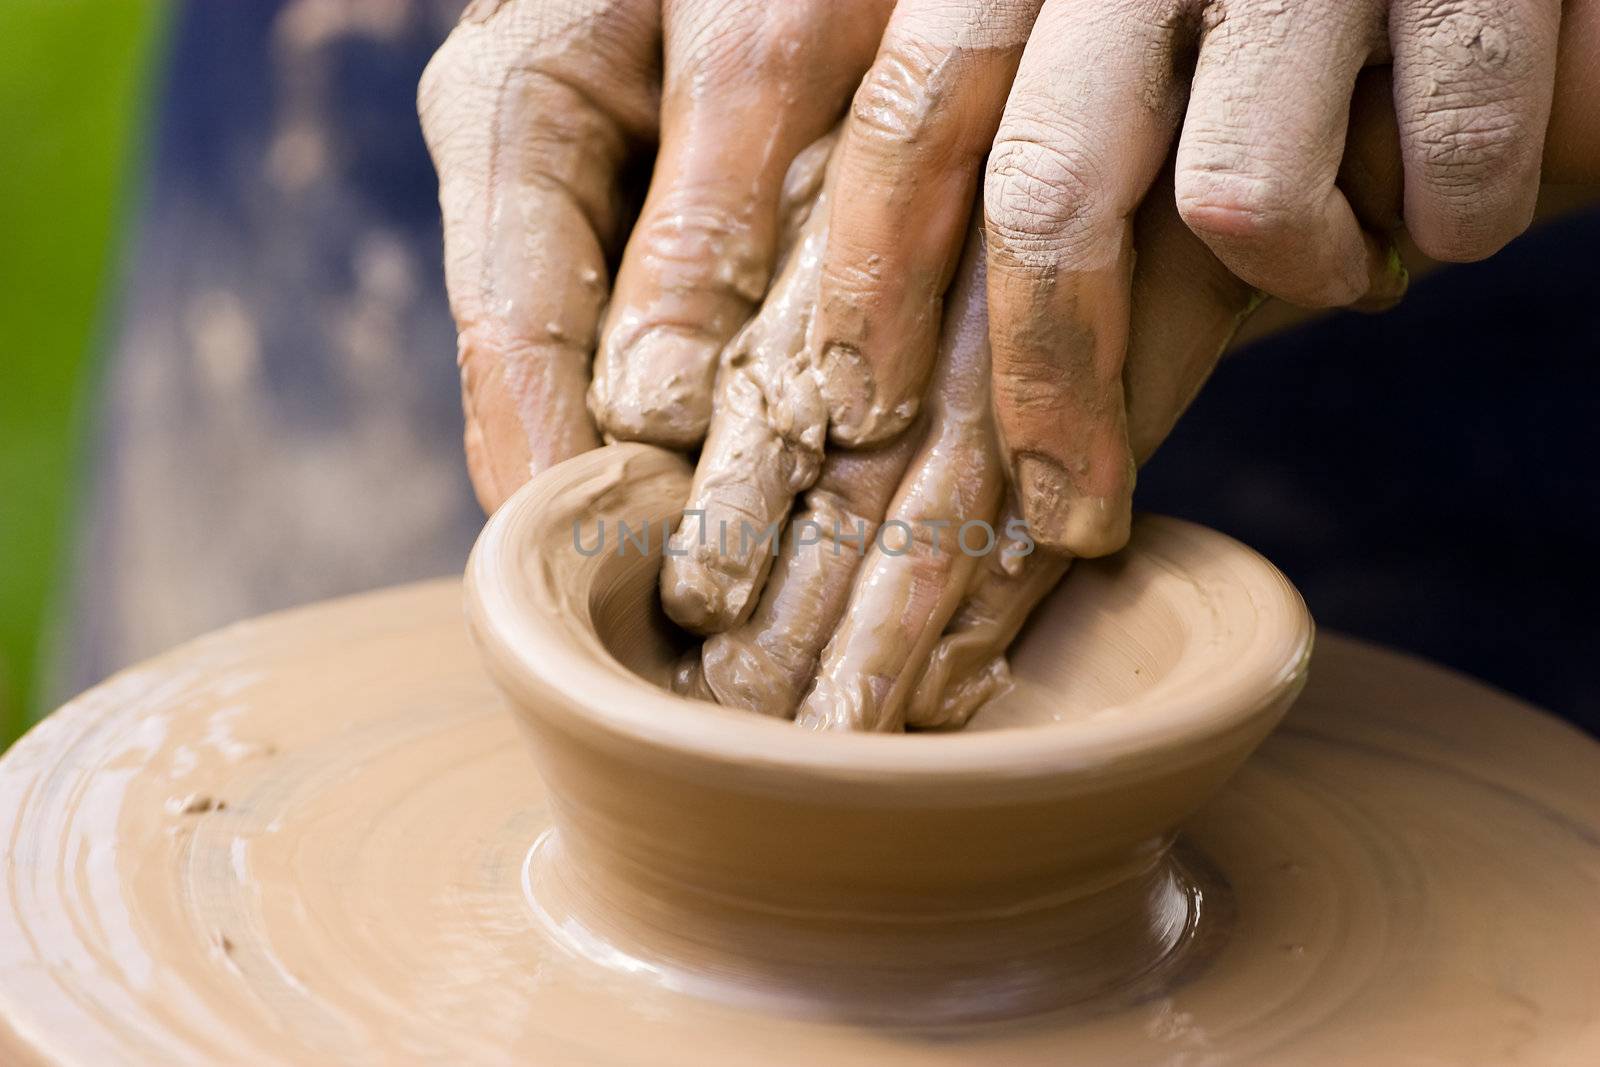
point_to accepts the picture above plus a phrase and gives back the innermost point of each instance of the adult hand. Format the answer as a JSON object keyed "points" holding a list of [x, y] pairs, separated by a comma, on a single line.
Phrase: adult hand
{"points": [[535, 111], [1183, 306], [1074, 147], [1262, 92], [892, 543]]}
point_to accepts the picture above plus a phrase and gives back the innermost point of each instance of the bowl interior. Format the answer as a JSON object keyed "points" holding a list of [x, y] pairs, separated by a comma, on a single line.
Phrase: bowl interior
{"points": [[1112, 631]]}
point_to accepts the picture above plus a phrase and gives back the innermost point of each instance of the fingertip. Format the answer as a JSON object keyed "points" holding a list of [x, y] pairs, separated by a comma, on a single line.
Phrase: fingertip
{"points": [[1389, 278], [861, 411], [689, 679], [1064, 518], [1305, 251], [1448, 230], [656, 389], [694, 596]]}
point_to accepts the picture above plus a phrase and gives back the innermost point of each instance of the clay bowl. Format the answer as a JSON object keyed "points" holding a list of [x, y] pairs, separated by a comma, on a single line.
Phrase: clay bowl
{"points": [[1019, 865]]}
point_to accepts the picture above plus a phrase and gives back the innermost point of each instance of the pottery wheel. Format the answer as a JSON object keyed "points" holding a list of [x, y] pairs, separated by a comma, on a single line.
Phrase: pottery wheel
{"points": [[305, 839]]}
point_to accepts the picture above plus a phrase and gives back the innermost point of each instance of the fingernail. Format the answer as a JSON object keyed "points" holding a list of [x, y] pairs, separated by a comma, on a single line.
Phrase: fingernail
{"points": [[1389, 279], [858, 416], [657, 390], [1064, 519], [1042, 487]]}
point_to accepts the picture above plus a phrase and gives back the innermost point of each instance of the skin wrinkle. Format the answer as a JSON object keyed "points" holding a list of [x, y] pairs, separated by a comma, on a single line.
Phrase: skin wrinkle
{"points": [[1473, 89], [542, 163], [921, 119]]}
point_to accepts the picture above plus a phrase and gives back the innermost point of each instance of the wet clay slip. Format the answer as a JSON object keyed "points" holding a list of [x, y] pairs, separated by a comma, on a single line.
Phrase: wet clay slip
{"points": [[316, 838]]}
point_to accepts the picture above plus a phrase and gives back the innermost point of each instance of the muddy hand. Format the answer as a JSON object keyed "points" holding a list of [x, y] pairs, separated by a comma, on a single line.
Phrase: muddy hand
{"points": [[766, 663], [747, 85], [532, 109], [1102, 89], [894, 661], [939, 526], [904, 174], [1185, 307]]}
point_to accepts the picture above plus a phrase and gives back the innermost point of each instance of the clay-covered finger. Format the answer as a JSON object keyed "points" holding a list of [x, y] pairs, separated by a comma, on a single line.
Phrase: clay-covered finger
{"points": [[1262, 144], [909, 162], [747, 86], [940, 523], [765, 445], [766, 663], [529, 108], [968, 666], [1186, 307], [1087, 127], [1473, 82]]}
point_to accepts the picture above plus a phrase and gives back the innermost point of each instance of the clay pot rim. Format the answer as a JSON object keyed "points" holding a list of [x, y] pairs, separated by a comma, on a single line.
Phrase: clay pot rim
{"points": [[557, 670]]}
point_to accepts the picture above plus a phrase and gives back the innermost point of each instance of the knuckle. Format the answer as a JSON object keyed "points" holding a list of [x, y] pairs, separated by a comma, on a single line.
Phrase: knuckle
{"points": [[1471, 40], [1467, 84], [704, 243], [442, 84], [1461, 145], [1478, 169], [733, 40], [898, 106], [1042, 198]]}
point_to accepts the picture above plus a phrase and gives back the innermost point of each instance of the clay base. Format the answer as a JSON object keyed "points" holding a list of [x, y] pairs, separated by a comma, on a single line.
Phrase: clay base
{"points": [[307, 839]]}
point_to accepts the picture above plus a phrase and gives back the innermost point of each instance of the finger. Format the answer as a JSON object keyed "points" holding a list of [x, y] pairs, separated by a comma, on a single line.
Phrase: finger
{"points": [[1086, 128], [801, 189], [766, 663], [910, 157], [1261, 146], [1473, 82], [940, 523], [967, 667], [763, 447], [747, 86], [1186, 307], [1572, 147], [1371, 175], [528, 110]]}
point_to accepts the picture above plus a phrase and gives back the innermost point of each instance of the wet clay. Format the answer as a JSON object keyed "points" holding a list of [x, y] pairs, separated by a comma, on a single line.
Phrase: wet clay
{"points": [[1406, 871], [903, 879]]}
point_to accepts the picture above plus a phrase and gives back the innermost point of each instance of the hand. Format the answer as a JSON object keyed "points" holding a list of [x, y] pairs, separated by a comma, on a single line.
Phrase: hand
{"points": [[838, 637], [1099, 94], [527, 295], [535, 112], [887, 662]]}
